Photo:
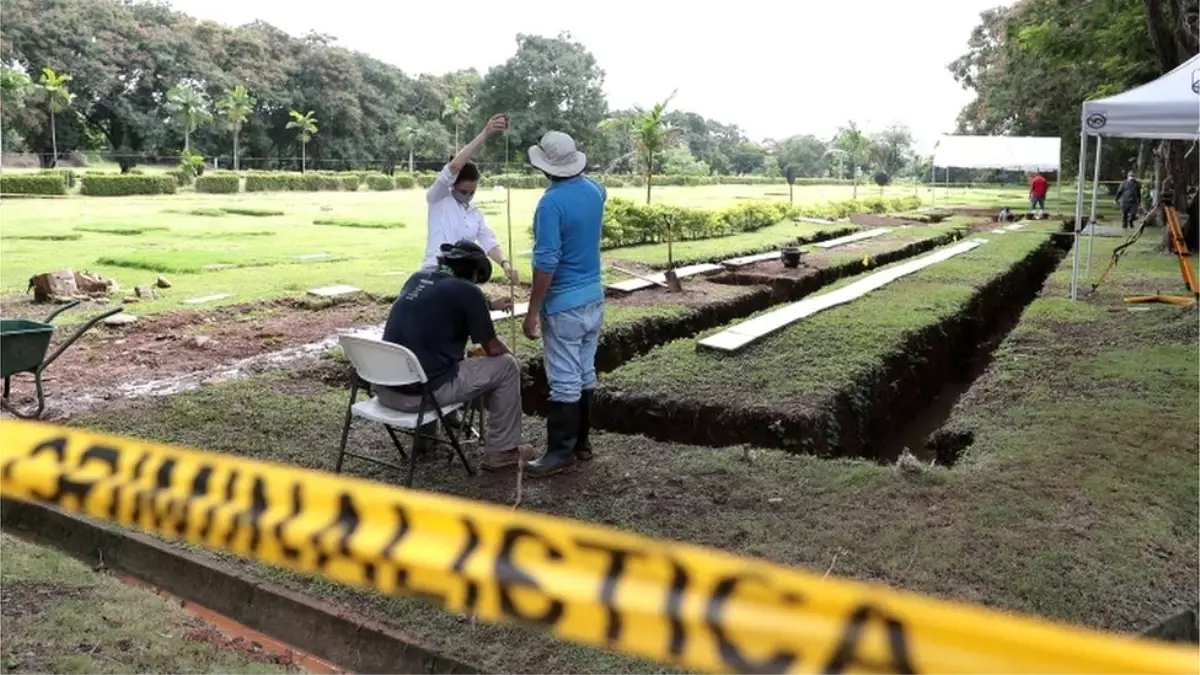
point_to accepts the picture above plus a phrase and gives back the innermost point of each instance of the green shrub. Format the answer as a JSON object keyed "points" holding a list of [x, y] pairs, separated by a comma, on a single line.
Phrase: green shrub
{"points": [[33, 184], [424, 178], [368, 224], [628, 224], [314, 181], [405, 181], [120, 185], [68, 174], [181, 177], [350, 182], [381, 182], [272, 181], [218, 182], [247, 211]]}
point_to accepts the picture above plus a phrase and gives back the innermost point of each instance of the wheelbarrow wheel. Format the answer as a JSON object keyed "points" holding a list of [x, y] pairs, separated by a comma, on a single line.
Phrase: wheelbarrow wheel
{"points": [[41, 399]]}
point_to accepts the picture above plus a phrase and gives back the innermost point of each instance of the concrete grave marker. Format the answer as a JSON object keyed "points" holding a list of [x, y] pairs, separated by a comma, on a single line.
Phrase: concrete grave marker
{"points": [[632, 285], [334, 291], [520, 309], [206, 298], [851, 238]]}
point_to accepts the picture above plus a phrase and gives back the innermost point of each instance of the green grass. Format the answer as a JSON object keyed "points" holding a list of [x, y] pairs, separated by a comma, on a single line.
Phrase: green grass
{"points": [[61, 617], [820, 356], [110, 224], [1076, 501], [190, 260], [365, 224]]}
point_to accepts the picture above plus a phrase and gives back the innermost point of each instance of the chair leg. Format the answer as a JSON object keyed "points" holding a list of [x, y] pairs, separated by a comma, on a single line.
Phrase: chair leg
{"points": [[453, 439], [346, 425], [412, 458], [396, 442]]}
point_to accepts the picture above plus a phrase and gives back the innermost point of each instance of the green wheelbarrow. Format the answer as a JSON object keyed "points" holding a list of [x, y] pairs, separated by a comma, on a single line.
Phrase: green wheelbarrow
{"points": [[23, 347]]}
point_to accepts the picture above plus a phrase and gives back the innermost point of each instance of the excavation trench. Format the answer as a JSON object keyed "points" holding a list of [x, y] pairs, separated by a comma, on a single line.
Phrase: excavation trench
{"points": [[898, 404], [623, 343]]}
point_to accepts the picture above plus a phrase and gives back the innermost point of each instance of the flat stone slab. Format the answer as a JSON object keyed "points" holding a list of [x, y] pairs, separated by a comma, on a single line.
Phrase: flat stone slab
{"points": [[851, 238], [751, 259], [122, 319], [311, 256], [206, 298], [738, 336], [815, 221], [876, 220], [632, 285], [520, 309], [334, 291]]}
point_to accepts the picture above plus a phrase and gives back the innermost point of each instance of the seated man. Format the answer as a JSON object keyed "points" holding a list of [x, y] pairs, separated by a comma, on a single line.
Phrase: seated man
{"points": [[435, 314]]}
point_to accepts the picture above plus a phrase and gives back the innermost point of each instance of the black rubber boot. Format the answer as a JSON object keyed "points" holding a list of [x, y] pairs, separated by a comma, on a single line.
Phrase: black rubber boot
{"points": [[583, 445], [562, 426]]}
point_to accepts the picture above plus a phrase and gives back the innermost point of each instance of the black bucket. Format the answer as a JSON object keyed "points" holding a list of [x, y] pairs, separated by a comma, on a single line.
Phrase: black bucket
{"points": [[790, 256]]}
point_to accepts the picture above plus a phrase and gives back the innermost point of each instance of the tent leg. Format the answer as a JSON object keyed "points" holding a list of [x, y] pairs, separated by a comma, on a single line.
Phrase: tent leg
{"points": [[1087, 266], [1078, 215]]}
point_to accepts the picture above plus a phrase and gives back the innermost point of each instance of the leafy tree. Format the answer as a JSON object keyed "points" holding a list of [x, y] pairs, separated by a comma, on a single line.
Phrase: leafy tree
{"points": [[456, 109], [15, 89], [805, 154], [424, 139], [235, 107], [652, 135], [855, 144], [189, 106], [58, 97], [891, 149], [306, 127], [550, 83], [747, 157], [679, 161]]}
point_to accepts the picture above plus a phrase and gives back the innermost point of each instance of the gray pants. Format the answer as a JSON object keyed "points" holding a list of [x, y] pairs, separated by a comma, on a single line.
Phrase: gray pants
{"points": [[496, 378]]}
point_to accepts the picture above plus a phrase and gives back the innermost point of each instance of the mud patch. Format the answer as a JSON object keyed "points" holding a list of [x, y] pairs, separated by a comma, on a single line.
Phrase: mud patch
{"points": [[23, 599]]}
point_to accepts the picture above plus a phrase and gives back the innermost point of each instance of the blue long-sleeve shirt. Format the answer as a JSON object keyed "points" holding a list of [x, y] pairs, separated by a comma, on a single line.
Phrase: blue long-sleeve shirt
{"points": [[566, 242]]}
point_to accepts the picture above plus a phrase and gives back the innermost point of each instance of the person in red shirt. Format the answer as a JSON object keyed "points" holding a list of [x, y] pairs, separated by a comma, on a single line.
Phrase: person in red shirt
{"points": [[1037, 194]]}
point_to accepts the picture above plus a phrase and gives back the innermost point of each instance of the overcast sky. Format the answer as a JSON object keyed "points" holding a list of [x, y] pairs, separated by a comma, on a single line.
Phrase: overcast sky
{"points": [[774, 68]]}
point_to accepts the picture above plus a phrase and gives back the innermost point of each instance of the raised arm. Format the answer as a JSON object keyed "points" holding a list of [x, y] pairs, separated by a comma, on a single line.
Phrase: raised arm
{"points": [[495, 123]]}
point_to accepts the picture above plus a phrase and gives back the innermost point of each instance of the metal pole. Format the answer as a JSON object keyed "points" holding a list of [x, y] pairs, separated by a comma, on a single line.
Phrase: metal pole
{"points": [[1078, 215], [1087, 266], [932, 184]]}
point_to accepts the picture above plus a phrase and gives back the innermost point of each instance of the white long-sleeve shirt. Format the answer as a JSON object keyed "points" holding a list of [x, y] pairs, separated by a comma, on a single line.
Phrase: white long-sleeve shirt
{"points": [[450, 221]]}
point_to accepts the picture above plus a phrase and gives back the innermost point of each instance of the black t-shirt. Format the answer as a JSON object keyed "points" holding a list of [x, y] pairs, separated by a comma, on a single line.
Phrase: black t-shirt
{"points": [[434, 316]]}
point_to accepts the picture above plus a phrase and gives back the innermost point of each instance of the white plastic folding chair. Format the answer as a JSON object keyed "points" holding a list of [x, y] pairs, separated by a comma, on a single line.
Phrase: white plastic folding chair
{"points": [[379, 363]]}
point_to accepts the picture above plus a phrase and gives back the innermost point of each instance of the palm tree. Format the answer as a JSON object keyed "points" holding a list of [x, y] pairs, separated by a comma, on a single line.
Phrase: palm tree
{"points": [[306, 127], [234, 107], [410, 132], [852, 141], [651, 133], [58, 97], [456, 109], [189, 106]]}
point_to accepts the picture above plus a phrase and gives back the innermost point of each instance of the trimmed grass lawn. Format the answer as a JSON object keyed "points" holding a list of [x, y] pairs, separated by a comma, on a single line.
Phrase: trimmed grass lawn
{"points": [[132, 239]]}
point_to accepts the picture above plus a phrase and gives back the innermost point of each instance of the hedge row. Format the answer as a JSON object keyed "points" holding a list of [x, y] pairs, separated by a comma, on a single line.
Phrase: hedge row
{"points": [[218, 182], [33, 184], [628, 223], [68, 174], [120, 185]]}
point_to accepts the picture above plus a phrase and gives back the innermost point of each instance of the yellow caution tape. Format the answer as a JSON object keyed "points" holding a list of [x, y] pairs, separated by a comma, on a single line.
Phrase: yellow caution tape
{"points": [[673, 603]]}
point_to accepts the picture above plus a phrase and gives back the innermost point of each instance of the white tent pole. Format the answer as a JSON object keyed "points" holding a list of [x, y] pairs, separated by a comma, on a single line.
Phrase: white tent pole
{"points": [[1087, 266], [1078, 214], [932, 184]]}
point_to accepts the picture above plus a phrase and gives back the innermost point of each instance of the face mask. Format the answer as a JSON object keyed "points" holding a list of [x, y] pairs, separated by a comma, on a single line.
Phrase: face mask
{"points": [[461, 198]]}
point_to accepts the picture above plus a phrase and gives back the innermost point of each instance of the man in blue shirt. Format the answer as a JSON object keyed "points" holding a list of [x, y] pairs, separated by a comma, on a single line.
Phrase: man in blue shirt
{"points": [[567, 297]]}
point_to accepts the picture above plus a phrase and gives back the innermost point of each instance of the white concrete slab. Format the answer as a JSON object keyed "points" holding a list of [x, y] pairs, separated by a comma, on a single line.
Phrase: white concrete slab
{"points": [[851, 238], [632, 285], [999, 231], [747, 332], [751, 259], [1014, 227], [520, 309], [334, 291], [206, 298], [815, 221]]}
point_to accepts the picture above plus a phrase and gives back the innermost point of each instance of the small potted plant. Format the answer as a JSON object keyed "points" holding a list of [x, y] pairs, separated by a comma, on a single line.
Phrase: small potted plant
{"points": [[790, 256]]}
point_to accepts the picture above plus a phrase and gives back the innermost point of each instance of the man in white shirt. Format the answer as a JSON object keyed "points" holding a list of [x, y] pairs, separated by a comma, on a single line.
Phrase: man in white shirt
{"points": [[452, 217]]}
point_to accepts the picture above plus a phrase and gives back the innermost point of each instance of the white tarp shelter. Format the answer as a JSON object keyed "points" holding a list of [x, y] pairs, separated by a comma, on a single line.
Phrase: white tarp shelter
{"points": [[1166, 109], [1011, 153]]}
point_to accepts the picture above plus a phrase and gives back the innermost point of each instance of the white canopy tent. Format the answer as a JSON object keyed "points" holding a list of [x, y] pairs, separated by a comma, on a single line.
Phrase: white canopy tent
{"points": [[1012, 153], [1166, 109]]}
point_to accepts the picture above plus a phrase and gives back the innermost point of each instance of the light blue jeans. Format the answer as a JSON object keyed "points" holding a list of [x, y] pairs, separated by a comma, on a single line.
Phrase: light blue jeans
{"points": [[569, 341]]}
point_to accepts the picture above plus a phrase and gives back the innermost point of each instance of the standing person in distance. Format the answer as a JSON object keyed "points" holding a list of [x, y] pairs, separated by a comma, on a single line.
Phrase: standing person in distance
{"points": [[567, 298], [1129, 196], [1038, 186], [453, 218]]}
